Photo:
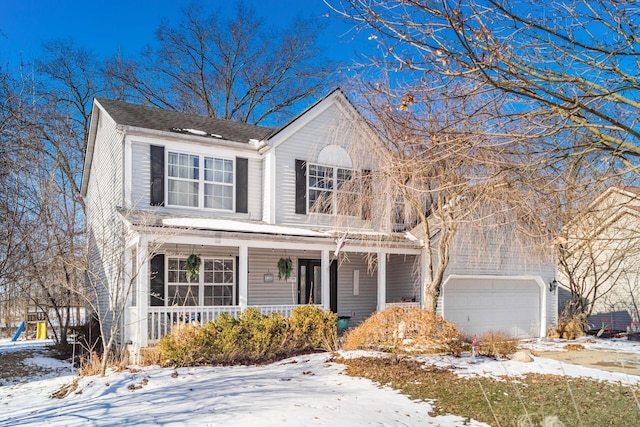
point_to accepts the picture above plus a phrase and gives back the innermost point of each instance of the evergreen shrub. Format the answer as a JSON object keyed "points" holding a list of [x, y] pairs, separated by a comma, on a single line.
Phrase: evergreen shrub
{"points": [[252, 338]]}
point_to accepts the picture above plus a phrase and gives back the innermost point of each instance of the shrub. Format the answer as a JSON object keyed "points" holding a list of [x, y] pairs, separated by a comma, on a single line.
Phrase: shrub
{"points": [[406, 330], [497, 344], [312, 328], [183, 346], [252, 338], [569, 328]]}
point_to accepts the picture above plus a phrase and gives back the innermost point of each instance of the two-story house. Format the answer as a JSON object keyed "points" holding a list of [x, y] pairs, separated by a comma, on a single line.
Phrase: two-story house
{"points": [[164, 189], [160, 186]]}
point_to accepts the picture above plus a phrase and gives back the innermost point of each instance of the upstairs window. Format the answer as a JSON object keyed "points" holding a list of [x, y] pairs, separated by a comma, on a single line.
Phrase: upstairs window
{"points": [[218, 183], [212, 188], [333, 190], [184, 179]]}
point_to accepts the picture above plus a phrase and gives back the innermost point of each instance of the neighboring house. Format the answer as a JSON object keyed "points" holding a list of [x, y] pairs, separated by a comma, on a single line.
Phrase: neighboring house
{"points": [[160, 186], [601, 260]]}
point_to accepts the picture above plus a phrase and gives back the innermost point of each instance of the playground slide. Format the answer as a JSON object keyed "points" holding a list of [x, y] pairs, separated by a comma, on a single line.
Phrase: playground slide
{"points": [[18, 332]]}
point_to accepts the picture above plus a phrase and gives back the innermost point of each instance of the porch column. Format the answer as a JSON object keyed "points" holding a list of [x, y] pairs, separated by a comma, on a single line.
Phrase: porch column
{"points": [[243, 279], [142, 285], [424, 273], [325, 287], [382, 280]]}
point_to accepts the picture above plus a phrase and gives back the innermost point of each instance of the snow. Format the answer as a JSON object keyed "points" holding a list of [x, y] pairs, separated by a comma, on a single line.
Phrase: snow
{"points": [[259, 227], [246, 227], [304, 390]]}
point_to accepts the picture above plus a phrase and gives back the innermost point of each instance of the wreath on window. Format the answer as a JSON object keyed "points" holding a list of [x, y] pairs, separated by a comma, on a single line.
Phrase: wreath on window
{"points": [[193, 266], [285, 265]]}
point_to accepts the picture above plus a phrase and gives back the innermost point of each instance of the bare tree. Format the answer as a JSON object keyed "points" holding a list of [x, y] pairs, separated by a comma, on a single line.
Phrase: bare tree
{"points": [[598, 252], [571, 66], [43, 149], [239, 69], [443, 172]]}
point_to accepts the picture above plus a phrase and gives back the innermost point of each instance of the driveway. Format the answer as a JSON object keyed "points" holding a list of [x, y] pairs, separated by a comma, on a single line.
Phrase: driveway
{"points": [[628, 363]]}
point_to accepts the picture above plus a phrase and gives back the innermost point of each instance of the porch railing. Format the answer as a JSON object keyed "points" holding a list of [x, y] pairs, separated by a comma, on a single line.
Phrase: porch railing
{"points": [[402, 305], [162, 319]]}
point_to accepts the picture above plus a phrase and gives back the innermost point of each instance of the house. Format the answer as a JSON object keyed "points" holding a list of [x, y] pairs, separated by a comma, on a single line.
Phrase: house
{"points": [[164, 190], [599, 266]]}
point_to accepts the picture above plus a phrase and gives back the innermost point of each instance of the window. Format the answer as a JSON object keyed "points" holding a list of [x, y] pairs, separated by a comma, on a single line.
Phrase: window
{"points": [[215, 285], [187, 186], [398, 217], [218, 187], [183, 180], [181, 292], [218, 282], [333, 190]]}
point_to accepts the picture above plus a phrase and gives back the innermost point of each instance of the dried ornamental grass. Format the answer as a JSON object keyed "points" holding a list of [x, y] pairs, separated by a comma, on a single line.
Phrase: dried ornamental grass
{"points": [[569, 328], [497, 344]]}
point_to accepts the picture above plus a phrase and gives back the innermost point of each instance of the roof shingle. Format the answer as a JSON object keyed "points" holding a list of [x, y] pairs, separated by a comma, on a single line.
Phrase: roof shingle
{"points": [[154, 118]]}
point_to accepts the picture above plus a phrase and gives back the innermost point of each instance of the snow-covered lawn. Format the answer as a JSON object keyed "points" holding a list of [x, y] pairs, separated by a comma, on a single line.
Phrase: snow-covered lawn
{"points": [[301, 391]]}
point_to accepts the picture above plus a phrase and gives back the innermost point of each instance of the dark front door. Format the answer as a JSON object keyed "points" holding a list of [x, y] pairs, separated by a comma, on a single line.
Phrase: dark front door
{"points": [[310, 283]]}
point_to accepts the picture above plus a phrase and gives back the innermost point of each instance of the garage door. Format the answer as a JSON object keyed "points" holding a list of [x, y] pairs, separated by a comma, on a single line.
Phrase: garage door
{"points": [[477, 305]]}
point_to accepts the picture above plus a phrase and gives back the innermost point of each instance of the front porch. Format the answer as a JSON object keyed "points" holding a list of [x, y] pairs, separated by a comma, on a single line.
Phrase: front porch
{"points": [[239, 272]]}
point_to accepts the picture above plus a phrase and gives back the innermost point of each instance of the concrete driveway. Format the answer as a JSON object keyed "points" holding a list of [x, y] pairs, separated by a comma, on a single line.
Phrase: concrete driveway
{"points": [[628, 363]]}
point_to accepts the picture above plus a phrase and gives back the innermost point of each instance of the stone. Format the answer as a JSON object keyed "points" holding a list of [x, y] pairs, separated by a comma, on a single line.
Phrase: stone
{"points": [[521, 356]]}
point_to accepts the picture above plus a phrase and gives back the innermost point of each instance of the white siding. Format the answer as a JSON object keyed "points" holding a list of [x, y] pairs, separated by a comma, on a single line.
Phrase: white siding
{"points": [[140, 175], [327, 128], [402, 283], [104, 227], [141, 178], [279, 291], [360, 306], [487, 251]]}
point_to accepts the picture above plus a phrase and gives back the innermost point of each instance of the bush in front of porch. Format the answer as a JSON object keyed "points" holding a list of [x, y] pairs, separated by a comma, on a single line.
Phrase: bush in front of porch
{"points": [[406, 330], [252, 338]]}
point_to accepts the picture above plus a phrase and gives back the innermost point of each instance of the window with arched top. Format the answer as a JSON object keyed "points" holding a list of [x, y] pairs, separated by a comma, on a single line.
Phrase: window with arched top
{"points": [[331, 185]]}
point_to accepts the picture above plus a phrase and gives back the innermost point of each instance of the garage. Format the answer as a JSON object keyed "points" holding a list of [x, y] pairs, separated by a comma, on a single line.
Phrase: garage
{"points": [[479, 304]]}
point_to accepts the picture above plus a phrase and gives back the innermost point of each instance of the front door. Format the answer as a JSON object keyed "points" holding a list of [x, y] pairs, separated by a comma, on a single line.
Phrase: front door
{"points": [[310, 283]]}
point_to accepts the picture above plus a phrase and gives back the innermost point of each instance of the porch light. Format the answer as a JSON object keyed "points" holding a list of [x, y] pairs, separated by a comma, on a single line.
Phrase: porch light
{"points": [[268, 277], [553, 285]]}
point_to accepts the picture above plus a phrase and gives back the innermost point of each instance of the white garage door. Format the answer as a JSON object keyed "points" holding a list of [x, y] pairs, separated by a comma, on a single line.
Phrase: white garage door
{"points": [[477, 305]]}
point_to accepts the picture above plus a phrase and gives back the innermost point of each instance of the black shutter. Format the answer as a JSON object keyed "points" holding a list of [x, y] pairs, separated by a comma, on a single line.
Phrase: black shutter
{"points": [[157, 176], [157, 280], [242, 185], [301, 187], [237, 301], [366, 195], [333, 286]]}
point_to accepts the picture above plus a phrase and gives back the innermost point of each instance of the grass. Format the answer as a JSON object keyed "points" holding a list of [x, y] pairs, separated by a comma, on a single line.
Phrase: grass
{"points": [[14, 367], [506, 402]]}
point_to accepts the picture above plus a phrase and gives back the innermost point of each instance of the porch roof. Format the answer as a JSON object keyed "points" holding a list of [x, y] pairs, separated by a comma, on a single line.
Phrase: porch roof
{"points": [[165, 220]]}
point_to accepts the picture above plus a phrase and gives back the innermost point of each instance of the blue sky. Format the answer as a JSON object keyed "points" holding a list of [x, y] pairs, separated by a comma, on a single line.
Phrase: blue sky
{"points": [[107, 26]]}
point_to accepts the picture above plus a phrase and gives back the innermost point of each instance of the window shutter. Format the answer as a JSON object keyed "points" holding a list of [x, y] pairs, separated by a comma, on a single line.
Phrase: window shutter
{"points": [[157, 176], [366, 195], [157, 280], [301, 187], [242, 185]]}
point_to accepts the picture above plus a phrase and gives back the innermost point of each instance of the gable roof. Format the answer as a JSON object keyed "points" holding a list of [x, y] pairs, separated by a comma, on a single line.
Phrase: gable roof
{"points": [[146, 117]]}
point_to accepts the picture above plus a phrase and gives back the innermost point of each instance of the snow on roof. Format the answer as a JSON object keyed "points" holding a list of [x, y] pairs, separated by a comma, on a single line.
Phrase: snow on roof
{"points": [[242, 226]]}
